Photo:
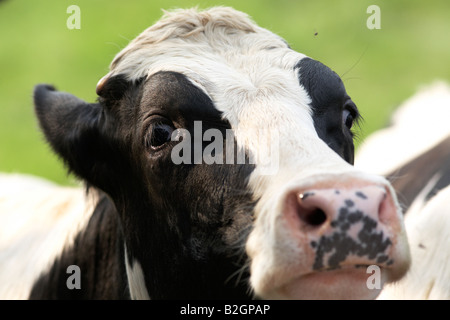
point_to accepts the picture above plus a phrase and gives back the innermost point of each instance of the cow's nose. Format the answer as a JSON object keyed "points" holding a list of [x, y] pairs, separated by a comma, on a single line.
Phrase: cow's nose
{"points": [[343, 225]]}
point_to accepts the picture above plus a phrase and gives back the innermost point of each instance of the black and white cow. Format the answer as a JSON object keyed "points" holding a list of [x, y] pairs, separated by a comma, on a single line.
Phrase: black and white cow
{"points": [[305, 226], [416, 159]]}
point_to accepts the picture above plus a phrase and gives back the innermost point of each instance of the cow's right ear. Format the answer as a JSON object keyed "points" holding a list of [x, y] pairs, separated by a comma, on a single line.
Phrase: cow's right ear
{"points": [[75, 130]]}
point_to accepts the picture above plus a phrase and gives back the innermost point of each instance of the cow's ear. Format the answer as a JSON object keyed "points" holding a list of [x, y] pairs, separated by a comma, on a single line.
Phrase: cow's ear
{"points": [[75, 130]]}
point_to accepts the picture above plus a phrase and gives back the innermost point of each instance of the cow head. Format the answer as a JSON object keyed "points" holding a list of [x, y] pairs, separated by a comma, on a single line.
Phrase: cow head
{"points": [[196, 221]]}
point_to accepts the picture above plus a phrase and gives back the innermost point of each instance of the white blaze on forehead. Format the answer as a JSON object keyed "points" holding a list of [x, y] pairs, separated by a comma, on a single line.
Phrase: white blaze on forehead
{"points": [[250, 75], [191, 34], [247, 71]]}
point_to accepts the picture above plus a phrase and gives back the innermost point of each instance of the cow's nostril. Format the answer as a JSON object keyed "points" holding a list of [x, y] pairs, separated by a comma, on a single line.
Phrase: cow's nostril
{"points": [[313, 217], [308, 208]]}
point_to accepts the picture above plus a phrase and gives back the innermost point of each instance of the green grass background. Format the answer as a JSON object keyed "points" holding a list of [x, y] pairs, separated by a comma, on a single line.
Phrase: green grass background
{"points": [[380, 68]]}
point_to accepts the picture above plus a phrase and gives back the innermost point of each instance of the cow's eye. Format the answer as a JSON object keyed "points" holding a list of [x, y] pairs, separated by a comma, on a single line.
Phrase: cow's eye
{"points": [[347, 118], [159, 134]]}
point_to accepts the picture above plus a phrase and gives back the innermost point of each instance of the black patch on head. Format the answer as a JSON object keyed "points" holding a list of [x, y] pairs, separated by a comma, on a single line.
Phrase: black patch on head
{"points": [[186, 224], [329, 100], [171, 94], [198, 216]]}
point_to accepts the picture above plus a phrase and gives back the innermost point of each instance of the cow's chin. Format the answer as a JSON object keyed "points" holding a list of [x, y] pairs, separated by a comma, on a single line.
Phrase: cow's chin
{"points": [[340, 284]]}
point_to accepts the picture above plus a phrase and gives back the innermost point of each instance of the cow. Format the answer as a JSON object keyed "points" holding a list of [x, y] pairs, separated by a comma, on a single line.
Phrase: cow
{"points": [[417, 162], [219, 164]]}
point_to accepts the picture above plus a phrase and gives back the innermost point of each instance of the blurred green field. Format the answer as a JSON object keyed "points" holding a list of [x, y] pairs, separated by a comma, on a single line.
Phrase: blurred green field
{"points": [[380, 68]]}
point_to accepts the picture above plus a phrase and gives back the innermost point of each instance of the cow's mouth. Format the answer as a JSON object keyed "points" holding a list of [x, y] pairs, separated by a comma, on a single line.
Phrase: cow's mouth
{"points": [[347, 282]]}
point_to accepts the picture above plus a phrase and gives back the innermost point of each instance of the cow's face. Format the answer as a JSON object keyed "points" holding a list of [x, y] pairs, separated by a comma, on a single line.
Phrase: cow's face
{"points": [[177, 100]]}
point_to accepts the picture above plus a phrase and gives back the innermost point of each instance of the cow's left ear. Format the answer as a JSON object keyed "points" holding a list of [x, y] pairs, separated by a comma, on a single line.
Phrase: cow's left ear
{"points": [[75, 130]]}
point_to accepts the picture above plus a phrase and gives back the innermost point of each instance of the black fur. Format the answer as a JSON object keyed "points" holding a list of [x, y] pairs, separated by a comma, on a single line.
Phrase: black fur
{"points": [[185, 224], [329, 99], [98, 251]]}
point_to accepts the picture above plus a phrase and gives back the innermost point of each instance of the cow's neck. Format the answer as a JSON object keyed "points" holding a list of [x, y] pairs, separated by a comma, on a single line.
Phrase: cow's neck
{"points": [[110, 270], [98, 251]]}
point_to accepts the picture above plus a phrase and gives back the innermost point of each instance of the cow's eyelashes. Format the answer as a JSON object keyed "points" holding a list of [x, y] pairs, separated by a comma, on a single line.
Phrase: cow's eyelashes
{"points": [[158, 134]]}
